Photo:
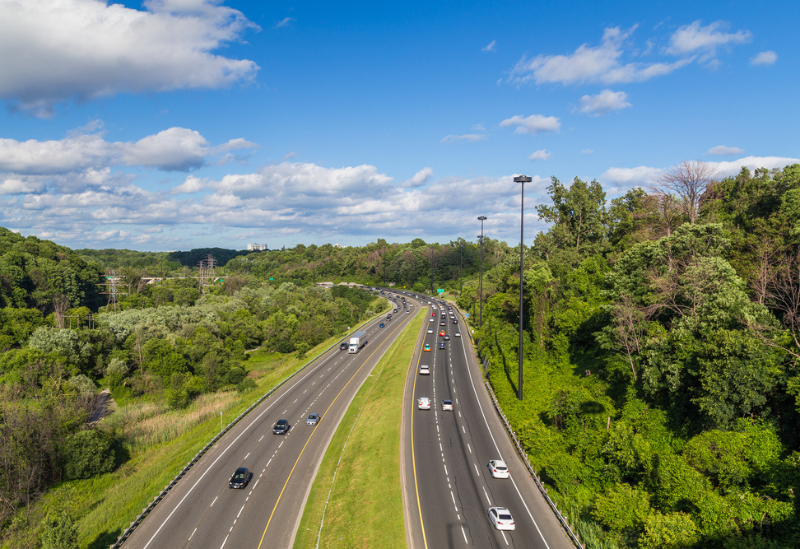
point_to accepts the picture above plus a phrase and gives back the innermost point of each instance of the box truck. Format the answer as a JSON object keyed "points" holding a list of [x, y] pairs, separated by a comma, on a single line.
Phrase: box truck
{"points": [[357, 340]]}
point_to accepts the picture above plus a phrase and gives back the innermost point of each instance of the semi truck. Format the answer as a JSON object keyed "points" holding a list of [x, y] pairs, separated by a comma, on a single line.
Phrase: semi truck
{"points": [[357, 340]]}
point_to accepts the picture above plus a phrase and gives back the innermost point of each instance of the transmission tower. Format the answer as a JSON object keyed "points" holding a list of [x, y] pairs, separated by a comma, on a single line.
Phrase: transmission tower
{"points": [[112, 293], [206, 268]]}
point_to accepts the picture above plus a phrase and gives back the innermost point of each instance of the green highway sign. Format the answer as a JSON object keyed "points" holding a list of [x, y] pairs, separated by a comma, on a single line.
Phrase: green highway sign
{"points": [[440, 291]]}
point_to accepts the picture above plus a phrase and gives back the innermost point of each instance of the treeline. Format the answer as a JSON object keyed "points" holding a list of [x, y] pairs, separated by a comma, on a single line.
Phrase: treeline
{"points": [[165, 342], [661, 356], [157, 263]]}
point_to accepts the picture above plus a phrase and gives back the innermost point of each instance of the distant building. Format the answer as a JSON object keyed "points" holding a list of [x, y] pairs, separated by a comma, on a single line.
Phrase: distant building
{"points": [[256, 247]]}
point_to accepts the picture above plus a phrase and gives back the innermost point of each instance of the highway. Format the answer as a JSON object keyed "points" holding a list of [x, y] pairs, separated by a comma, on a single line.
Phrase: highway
{"points": [[447, 485], [203, 512]]}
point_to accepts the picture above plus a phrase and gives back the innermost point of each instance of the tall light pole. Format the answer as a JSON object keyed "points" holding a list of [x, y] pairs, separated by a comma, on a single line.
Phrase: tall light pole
{"points": [[522, 179], [383, 260], [461, 270], [480, 291], [432, 293]]}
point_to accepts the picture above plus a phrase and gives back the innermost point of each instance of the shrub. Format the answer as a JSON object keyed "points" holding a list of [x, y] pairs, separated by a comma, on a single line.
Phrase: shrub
{"points": [[86, 454], [60, 532]]}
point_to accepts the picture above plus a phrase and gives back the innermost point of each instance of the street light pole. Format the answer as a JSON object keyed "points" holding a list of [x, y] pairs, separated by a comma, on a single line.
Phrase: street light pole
{"points": [[432, 271], [383, 260], [480, 291], [522, 179], [461, 270]]}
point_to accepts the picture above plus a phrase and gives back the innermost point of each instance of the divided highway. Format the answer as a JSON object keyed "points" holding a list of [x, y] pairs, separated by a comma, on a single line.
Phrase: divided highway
{"points": [[448, 487], [203, 512]]}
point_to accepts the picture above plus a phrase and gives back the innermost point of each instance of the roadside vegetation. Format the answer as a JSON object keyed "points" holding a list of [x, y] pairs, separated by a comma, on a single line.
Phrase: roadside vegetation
{"points": [[357, 487]]}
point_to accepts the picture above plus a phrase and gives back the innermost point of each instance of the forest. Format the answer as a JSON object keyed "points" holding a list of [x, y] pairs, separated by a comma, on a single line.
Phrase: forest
{"points": [[661, 348]]}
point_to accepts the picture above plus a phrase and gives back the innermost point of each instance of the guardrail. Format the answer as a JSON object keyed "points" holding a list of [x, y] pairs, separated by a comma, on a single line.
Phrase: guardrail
{"points": [[146, 511], [522, 454]]}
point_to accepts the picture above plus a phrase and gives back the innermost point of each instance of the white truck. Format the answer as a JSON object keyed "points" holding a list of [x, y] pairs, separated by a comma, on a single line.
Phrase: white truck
{"points": [[357, 340]]}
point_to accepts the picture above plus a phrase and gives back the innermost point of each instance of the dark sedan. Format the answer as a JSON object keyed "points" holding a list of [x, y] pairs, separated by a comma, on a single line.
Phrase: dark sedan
{"points": [[240, 478], [281, 428]]}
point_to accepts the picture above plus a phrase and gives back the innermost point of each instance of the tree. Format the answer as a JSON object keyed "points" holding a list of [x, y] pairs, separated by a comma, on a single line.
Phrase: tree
{"points": [[689, 181], [86, 454], [578, 213]]}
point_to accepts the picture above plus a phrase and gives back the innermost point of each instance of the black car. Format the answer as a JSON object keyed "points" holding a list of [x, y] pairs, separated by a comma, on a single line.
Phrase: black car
{"points": [[441, 345], [281, 428], [343, 346], [240, 478]]}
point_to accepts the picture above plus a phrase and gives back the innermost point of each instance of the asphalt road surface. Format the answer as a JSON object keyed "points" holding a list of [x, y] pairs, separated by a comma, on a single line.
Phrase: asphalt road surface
{"points": [[448, 488], [203, 512]]}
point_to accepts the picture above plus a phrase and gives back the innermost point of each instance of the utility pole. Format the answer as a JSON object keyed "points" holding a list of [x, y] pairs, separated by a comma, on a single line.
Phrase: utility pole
{"points": [[461, 270], [521, 179], [480, 291]]}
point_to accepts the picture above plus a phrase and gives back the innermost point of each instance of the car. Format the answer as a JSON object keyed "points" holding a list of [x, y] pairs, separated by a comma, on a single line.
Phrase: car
{"points": [[433, 313], [447, 405], [427, 347], [424, 370], [446, 337], [313, 419], [343, 346], [382, 325], [457, 334], [430, 330], [281, 427], [424, 403], [442, 333], [501, 518], [455, 321], [441, 344], [498, 468], [443, 323], [430, 320], [408, 312], [239, 478]]}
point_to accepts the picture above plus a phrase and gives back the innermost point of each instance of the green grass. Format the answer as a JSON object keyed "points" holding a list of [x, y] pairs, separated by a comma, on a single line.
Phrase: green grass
{"points": [[366, 505], [158, 444]]}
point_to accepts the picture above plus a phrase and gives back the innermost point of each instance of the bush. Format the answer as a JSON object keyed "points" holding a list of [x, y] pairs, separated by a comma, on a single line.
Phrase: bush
{"points": [[83, 384], [116, 370], [86, 454], [60, 532], [247, 384]]}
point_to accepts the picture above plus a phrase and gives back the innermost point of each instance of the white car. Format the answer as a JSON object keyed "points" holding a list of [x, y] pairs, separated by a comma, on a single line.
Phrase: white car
{"points": [[501, 518], [430, 330], [457, 334], [431, 319], [424, 370], [498, 468], [424, 403], [447, 405]]}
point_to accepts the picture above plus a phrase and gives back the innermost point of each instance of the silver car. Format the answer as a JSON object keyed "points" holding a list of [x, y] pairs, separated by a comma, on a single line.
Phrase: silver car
{"points": [[313, 419]]}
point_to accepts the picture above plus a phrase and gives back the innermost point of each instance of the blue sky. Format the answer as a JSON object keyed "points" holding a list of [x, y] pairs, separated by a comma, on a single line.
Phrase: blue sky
{"points": [[177, 124]]}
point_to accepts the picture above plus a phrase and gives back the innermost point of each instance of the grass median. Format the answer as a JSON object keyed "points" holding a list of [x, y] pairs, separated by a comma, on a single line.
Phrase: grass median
{"points": [[361, 468]]}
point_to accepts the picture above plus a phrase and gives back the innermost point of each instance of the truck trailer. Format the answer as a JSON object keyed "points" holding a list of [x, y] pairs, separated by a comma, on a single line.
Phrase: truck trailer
{"points": [[357, 340]]}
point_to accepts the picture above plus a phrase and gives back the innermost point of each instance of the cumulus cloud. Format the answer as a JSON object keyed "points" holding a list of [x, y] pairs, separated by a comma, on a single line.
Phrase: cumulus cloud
{"points": [[420, 178], [85, 49], [722, 150], [726, 169], [491, 46], [173, 149], [541, 154], [764, 58], [192, 184], [471, 137], [536, 123], [587, 151], [591, 64], [603, 103]]}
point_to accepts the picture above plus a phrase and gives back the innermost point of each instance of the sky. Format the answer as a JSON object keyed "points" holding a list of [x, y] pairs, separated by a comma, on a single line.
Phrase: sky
{"points": [[178, 124]]}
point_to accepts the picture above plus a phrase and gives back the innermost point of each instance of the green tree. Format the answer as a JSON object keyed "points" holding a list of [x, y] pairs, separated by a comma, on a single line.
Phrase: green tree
{"points": [[86, 454], [59, 532]]}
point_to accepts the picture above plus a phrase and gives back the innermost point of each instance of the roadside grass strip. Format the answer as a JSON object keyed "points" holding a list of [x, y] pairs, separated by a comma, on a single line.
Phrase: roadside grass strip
{"points": [[356, 498], [104, 506]]}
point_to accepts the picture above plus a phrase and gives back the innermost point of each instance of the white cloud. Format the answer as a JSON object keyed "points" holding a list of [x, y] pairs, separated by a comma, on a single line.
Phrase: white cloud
{"points": [[622, 179], [541, 154], [491, 46], [764, 58], [587, 151], [591, 64], [419, 179], [471, 137], [536, 123], [696, 38], [603, 103], [178, 149], [723, 150], [726, 169], [87, 49], [284, 22], [192, 184]]}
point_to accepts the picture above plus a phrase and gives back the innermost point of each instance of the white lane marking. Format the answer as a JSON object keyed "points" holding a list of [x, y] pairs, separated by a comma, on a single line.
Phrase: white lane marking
{"points": [[262, 438], [240, 512], [465, 534], [469, 448], [190, 537], [488, 501], [445, 470], [476, 469], [247, 456], [486, 422], [504, 536], [223, 543], [281, 444], [213, 502]]}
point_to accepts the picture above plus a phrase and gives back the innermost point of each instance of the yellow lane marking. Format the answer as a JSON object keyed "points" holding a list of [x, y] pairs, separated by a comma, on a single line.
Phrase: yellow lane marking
{"points": [[413, 458], [309, 440]]}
